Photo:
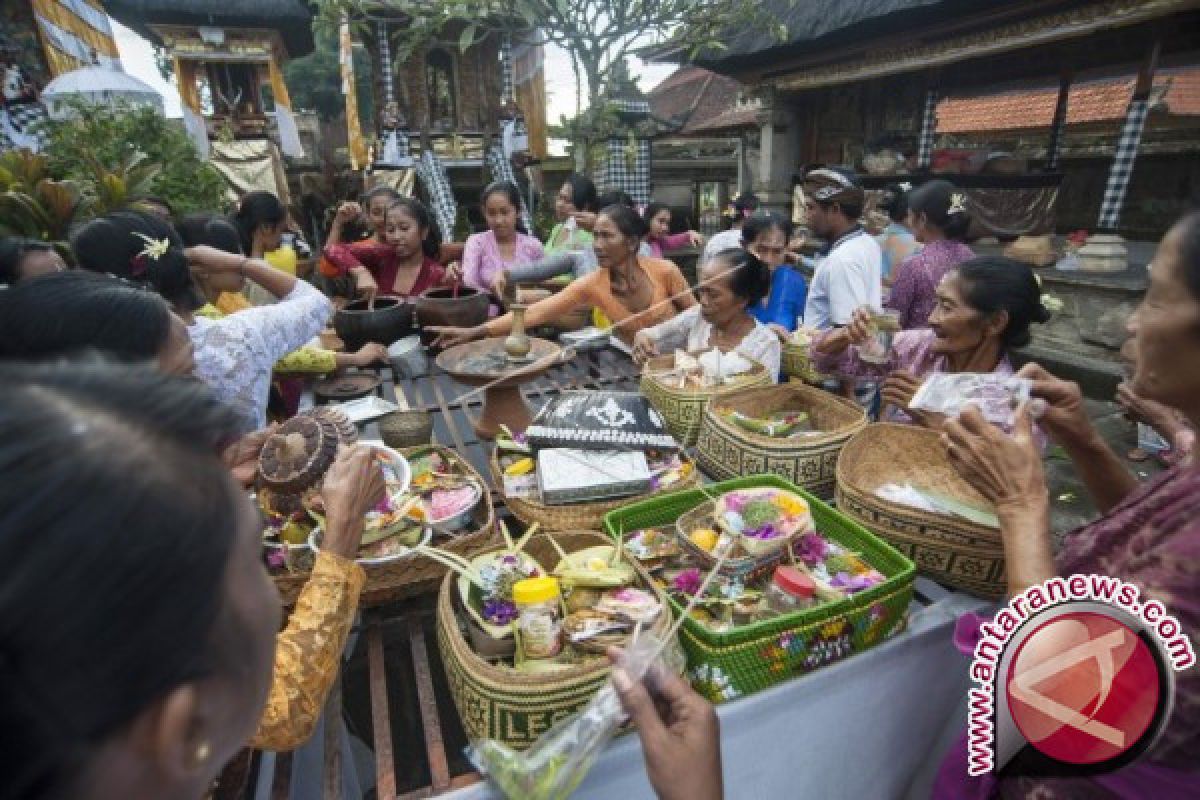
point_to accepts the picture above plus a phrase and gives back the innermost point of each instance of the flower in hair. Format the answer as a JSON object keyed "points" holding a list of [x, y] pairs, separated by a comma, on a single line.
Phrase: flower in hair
{"points": [[154, 249], [958, 203], [906, 187]]}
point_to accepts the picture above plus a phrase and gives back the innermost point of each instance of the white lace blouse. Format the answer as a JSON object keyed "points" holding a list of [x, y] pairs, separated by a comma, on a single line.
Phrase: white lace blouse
{"points": [[235, 354], [690, 331]]}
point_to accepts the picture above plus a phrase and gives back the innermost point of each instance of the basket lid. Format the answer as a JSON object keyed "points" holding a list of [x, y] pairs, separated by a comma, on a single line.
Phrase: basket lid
{"points": [[298, 453], [534, 590], [794, 582]]}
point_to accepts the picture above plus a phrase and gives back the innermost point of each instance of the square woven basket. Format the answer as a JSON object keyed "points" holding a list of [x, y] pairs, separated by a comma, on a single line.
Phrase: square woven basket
{"points": [[750, 658]]}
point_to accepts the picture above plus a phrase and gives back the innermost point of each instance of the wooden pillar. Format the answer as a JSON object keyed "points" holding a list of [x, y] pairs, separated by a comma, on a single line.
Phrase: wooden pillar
{"points": [[1121, 171], [779, 146], [1059, 126]]}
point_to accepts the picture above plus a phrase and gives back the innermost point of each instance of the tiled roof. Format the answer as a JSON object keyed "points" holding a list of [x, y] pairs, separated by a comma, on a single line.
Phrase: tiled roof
{"points": [[698, 100], [1088, 102]]}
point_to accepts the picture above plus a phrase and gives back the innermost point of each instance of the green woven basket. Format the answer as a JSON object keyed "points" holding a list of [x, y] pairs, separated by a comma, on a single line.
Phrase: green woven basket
{"points": [[747, 659]]}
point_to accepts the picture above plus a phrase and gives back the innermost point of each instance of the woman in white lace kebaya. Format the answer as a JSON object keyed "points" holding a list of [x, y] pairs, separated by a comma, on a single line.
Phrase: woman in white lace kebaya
{"points": [[730, 283], [234, 355]]}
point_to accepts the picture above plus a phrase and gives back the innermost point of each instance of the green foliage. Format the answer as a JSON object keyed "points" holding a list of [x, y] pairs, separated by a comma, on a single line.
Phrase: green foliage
{"points": [[34, 205], [315, 81], [150, 154]]}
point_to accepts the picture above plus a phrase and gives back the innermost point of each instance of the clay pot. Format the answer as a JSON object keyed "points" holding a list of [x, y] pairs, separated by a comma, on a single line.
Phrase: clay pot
{"points": [[439, 307], [391, 319]]}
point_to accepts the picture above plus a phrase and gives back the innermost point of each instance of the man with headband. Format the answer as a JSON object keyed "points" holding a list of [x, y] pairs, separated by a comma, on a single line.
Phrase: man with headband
{"points": [[849, 276]]}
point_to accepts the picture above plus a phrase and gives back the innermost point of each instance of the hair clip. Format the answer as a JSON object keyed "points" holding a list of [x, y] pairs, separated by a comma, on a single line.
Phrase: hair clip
{"points": [[958, 203]]}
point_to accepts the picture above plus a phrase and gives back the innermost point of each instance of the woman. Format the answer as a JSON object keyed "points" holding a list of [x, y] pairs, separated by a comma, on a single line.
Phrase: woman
{"points": [[234, 355], [896, 241], [766, 236], [569, 248], [404, 262], [350, 278], [375, 204], [658, 231], [22, 259], [218, 232], [940, 221], [739, 210], [633, 291], [1148, 534], [161, 707], [731, 284], [504, 245], [984, 309]]}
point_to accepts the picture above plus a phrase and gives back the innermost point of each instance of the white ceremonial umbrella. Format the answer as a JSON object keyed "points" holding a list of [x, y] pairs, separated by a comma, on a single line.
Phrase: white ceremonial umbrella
{"points": [[98, 86]]}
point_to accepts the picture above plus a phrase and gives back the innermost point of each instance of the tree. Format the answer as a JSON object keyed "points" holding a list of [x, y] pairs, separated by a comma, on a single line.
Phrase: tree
{"points": [[598, 34], [315, 81]]}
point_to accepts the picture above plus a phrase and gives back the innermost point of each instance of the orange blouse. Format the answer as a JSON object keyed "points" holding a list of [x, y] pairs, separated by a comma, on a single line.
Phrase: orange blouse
{"points": [[671, 296]]}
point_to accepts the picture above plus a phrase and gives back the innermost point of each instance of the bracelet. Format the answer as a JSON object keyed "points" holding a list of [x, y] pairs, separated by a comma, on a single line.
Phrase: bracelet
{"points": [[242, 266]]}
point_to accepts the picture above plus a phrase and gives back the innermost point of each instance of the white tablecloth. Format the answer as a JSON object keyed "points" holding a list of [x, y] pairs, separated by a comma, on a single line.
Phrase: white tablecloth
{"points": [[862, 728]]}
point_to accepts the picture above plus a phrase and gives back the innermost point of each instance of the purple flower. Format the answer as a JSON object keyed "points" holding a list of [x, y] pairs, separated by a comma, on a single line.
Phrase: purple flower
{"points": [[767, 531], [687, 582], [812, 549], [855, 583], [499, 612], [276, 558], [734, 502]]}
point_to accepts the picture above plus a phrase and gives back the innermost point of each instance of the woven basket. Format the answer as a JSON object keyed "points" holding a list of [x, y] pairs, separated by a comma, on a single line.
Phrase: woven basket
{"points": [[574, 516], [749, 658], [417, 575], [401, 429], [498, 702], [951, 550], [797, 363], [726, 450], [683, 409]]}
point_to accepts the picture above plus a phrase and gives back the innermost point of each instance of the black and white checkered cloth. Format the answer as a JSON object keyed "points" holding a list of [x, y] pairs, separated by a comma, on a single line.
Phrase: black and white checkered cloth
{"points": [[501, 169], [629, 174], [507, 88], [437, 188], [20, 126], [928, 130], [385, 64], [1058, 128], [1121, 171], [628, 106]]}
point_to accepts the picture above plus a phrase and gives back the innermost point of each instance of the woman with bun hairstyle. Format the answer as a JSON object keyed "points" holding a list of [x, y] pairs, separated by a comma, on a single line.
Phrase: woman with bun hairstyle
{"points": [[731, 283], [896, 241], [940, 221], [234, 355], [984, 309]]}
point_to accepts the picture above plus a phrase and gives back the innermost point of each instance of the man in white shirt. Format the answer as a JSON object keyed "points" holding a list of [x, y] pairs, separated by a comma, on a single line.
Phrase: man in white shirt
{"points": [[850, 275], [742, 206]]}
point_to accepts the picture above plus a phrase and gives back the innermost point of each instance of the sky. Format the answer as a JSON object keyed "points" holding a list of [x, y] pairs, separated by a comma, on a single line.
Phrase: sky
{"points": [[137, 56]]}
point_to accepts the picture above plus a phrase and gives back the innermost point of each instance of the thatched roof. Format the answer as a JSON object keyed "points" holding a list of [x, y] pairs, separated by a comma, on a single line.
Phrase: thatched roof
{"points": [[292, 18]]}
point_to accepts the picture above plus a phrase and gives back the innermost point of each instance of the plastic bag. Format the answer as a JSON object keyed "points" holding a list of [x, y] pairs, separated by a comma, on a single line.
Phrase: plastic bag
{"points": [[996, 396], [554, 766]]}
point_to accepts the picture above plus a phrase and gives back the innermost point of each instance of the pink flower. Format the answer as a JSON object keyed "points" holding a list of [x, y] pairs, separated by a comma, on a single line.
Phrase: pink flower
{"points": [[734, 501], [812, 549], [687, 582]]}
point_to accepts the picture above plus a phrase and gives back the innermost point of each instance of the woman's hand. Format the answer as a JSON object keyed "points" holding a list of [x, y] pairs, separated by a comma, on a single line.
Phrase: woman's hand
{"points": [[644, 348], [353, 486], [586, 219], [781, 333], [680, 733], [696, 238], [241, 457], [365, 285], [347, 213], [1063, 416], [454, 273], [1007, 470], [206, 260], [1152, 413], [500, 283], [368, 354], [450, 337], [861, 329], [898, 390]]}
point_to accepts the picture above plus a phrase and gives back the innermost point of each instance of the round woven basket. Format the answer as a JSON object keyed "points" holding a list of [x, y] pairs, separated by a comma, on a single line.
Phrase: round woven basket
{"points": [[401, 429], [408, 577], [952, 550], [683, 409], [727, 451], [496, 701], [576, 516]]}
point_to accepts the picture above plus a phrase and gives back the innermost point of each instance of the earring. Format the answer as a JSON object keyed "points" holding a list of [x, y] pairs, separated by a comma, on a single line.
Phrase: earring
{"points": [[203, 751]]}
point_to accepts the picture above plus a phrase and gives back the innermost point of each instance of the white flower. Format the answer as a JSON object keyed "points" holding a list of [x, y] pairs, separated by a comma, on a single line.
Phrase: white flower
{"points": [[906, 187], [958, 203], [1051, 303], [155, 248]]}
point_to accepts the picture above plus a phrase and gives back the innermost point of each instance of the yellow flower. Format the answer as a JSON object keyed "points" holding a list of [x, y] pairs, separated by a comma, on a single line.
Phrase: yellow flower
{"points": [[790, 505]]}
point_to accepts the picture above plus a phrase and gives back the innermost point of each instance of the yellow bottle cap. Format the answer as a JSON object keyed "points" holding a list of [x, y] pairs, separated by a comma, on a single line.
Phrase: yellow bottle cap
{"points": [[535, 590]]}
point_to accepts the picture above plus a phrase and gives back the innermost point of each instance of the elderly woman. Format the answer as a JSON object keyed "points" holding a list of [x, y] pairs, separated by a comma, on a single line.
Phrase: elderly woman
{"points": [[731, 284], [984, 309], [72, 312], [1148, 534], [633, 291], [162, 706]]}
